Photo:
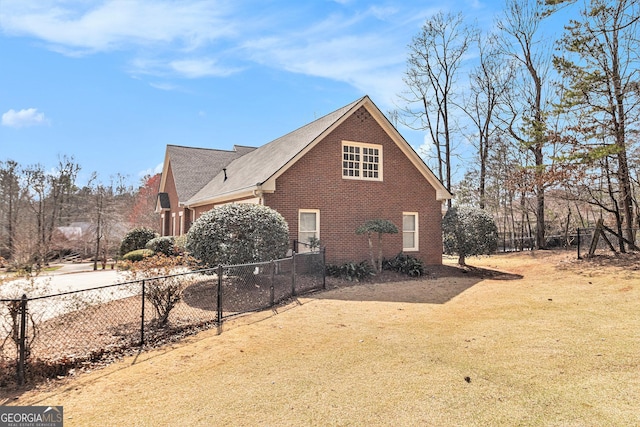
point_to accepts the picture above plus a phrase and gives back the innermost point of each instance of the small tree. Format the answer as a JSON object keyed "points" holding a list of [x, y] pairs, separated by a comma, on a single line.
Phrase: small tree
{"points": [[380, 226], [136, 238], [238, 233], [469, 231], [163, 289]]}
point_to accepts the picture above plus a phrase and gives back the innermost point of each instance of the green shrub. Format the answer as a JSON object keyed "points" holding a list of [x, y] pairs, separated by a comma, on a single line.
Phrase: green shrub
{"points": [[469, 231], [137, 255], [406, 264], [180, 244], [136, 238], [163, 245], [351, 271], [238, 233]]}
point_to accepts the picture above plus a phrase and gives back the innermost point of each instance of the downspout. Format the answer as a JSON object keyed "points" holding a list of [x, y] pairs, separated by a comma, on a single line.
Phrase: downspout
{"points": [[192, 219], [258, 193]]}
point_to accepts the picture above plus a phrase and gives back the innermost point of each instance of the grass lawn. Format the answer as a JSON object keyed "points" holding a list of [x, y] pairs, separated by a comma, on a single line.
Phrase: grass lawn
{"points": [[524, 339]]}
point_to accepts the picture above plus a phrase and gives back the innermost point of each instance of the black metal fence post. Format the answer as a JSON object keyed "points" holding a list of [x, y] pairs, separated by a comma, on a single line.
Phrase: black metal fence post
{"points": [[22, 340], [219, 303], [579, 257], [324, 270], [272, 296], [293, 274], [144, 288]]}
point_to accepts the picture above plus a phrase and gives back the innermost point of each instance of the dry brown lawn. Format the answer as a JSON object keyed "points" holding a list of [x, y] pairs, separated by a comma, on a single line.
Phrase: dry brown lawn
{"points": [[522, 339]]}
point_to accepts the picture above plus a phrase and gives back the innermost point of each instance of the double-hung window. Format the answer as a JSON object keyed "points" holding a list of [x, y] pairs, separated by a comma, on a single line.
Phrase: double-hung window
{"points": [[308, 228], [361, 161], [409, 231]]}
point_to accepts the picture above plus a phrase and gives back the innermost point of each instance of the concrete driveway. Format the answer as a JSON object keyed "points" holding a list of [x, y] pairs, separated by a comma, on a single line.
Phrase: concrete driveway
{"points": [[68, 278]]}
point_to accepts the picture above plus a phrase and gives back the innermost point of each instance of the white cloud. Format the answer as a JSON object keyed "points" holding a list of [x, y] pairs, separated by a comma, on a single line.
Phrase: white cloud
{"points": [[192, 68], [362, 46], [370, 62], [195, 68], [164, 86], [151, 171], [72, 27], [24, 118]]}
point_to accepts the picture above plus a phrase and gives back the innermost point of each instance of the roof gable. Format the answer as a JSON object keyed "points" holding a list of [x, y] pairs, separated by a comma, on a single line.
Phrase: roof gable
{"points": [[194, 167], [255, 168], [258, 169]]}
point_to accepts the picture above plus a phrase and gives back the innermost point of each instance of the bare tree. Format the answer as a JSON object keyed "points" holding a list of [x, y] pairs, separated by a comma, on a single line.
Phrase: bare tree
{"points": [[489, 83], [435, 57], [529, 100], [11, 195], [48, 198], [108, 212]]}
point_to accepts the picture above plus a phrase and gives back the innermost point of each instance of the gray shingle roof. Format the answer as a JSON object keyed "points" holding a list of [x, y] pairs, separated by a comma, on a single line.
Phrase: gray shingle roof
{"points": [[259, 165], [204, 176], [193, 167]]}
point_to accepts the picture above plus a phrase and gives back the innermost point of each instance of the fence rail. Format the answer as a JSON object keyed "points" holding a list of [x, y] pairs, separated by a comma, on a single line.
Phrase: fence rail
{"points": [[507, 242], [47, 336]]}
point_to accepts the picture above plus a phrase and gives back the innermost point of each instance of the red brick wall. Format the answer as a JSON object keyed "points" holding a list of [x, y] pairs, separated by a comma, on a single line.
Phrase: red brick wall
{"points": [[170, 189], [315, 182], [167, 226]]}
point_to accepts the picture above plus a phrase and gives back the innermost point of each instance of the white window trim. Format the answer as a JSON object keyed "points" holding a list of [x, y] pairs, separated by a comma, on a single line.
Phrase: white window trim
{"points": [[173, 224], [304, 248], [362, 145], [180, 214], [416, 232]]}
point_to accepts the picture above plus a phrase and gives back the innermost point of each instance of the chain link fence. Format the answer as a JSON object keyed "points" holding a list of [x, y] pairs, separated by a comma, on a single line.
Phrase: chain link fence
{"points": [[46, 336], [507, 242]]}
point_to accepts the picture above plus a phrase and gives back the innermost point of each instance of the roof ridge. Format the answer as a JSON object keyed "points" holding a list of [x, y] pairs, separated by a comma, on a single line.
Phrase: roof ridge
{"points": [[344, 107], [207, 148]]}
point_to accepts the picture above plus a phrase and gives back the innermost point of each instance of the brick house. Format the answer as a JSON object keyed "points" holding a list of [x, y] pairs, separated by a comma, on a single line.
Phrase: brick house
{"points": [[325, 178]]}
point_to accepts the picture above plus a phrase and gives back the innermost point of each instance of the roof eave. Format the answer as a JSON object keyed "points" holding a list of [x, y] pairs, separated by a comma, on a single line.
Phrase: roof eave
{"points": [[252, 191]]}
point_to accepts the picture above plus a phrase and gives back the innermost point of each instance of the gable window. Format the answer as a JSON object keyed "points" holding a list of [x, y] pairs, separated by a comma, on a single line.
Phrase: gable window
{"points": [[409, 231], [308, 228], [361, 161]]}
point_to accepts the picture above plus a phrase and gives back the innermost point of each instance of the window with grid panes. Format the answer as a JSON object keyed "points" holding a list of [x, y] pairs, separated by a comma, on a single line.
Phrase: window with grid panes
{"points": [[361, 161]]}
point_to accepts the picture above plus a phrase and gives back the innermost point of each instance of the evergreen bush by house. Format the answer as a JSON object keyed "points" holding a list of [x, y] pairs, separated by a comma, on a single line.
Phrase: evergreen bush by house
{"points": [[238, 233], [469, 231], [164, 245], [136, 238], [406, 264]]}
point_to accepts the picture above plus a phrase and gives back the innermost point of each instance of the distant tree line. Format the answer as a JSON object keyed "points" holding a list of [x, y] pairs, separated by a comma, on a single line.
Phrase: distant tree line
{"points": [[553, 114], [45, 213]]}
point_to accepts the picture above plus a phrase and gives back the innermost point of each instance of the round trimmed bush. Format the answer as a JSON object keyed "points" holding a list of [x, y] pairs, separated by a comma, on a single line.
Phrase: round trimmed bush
{"points": [[136, 238], [164, 245], [469, 231], [238, 233], [137, 255]]}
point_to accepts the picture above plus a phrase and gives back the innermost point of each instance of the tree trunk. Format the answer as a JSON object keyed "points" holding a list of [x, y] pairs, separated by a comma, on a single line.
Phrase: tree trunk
{"points": [[461, 260], [373, 261]]}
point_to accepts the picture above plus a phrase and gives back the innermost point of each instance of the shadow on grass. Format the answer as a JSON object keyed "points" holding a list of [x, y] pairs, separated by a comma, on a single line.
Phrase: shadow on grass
{"points": [[440, 285]]}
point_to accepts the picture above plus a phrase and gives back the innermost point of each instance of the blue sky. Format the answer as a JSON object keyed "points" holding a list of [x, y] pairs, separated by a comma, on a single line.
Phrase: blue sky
{"points": [[112, 82]]}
